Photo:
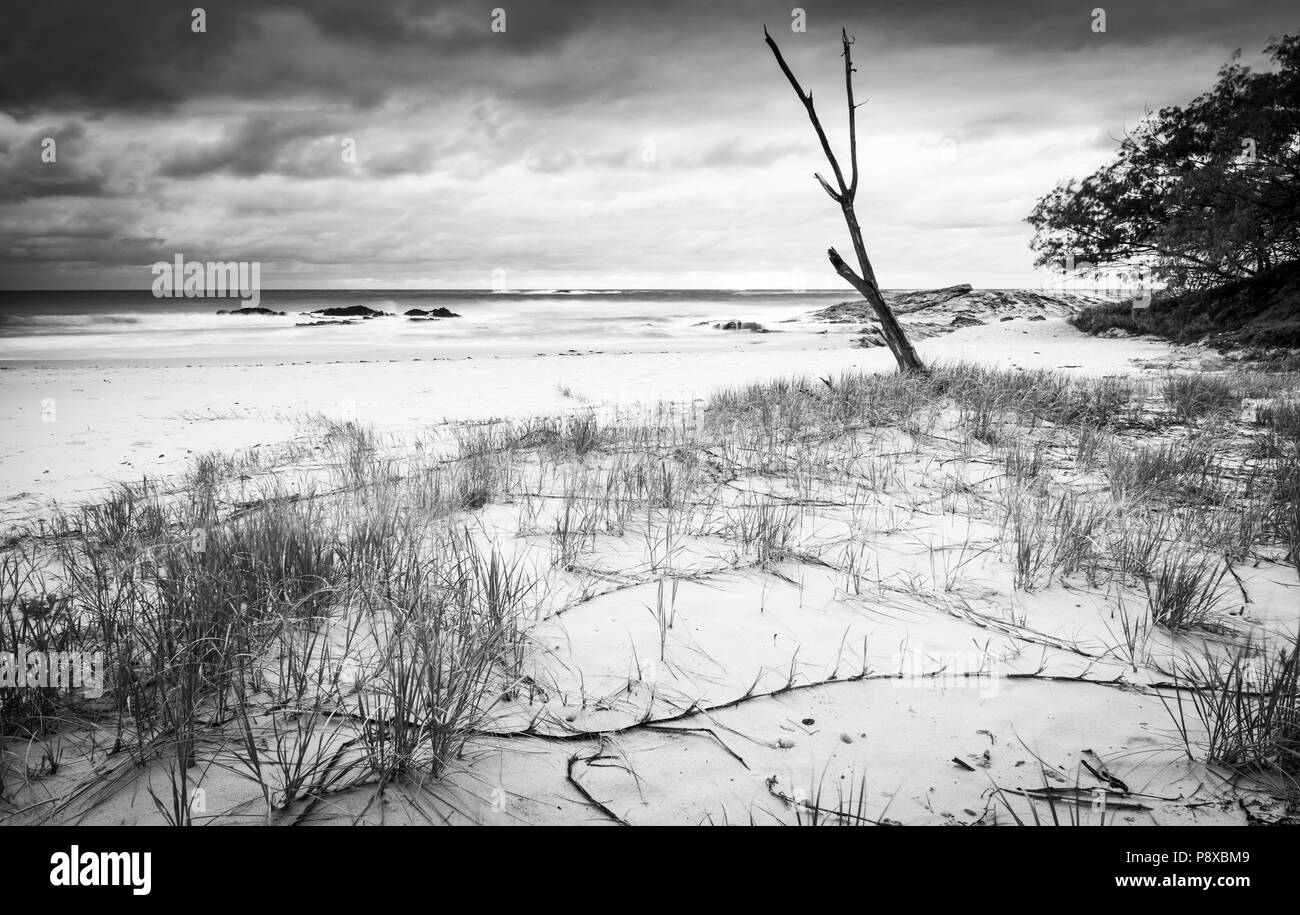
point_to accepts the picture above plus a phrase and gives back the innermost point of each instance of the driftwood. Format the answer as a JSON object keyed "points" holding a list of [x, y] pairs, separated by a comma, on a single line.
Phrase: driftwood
{"points": [[844, 194]]}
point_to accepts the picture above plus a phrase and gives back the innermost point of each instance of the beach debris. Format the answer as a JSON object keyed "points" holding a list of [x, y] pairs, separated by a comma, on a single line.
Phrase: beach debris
{"points": [[1093, 763], [982, 761]]}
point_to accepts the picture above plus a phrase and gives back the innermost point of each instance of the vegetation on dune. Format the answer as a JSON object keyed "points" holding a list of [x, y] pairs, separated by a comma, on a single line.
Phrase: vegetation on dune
{"points": [[1259, 313], [347, 622]]}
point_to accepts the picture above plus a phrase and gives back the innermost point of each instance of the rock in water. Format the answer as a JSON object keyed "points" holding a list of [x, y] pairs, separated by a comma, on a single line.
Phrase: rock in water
{"points": [[753, 326], [251, 311], [350, 311], [433, 313]]}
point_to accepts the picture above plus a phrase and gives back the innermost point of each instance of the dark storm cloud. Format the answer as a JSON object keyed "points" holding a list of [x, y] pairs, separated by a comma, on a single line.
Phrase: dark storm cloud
{"points": [[102, 55], [1057, 25], [142, 54]]}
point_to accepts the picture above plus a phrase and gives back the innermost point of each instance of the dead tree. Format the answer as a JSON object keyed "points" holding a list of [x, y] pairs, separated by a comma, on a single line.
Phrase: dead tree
{"points": [[844, 194]]}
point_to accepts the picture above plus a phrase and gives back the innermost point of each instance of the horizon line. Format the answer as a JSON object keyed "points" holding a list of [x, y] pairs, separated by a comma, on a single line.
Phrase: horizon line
{"points": [[557, 290]]}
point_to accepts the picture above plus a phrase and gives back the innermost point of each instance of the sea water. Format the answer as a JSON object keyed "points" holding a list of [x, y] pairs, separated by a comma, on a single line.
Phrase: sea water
{"points": [[114, 326]]}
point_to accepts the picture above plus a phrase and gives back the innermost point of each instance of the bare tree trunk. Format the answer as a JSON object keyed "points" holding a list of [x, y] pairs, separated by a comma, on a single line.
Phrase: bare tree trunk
{"points": [[844, 194]]}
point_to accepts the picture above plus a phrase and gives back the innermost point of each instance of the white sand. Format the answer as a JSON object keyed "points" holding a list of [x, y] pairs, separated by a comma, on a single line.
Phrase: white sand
{"points": [[114, 422], [938, 605]]}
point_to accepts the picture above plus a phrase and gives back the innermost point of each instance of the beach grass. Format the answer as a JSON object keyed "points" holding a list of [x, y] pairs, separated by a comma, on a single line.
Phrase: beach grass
{"points": [[359, 619]]}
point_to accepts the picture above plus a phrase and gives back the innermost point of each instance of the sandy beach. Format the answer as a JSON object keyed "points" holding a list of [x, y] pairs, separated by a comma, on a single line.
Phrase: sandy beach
{"points": [[841, 625], [123, 419]]}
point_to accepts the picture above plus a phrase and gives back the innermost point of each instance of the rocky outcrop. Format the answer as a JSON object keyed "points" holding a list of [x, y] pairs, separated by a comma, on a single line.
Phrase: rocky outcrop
{"points": [[431, 313], [907, 302], [947, 305], [251, 311], [930, 312], [351, 311], [752, 326], [350, 314]]}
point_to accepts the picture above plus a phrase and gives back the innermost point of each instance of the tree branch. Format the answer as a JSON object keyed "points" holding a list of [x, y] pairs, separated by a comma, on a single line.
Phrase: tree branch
{"points": [[866, 284], [845, 270], [853, 129], [830, 190], [806, 98]]}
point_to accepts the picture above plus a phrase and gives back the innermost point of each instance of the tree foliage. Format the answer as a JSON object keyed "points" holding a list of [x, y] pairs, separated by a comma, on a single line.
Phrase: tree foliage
{"points": [[1197, 194]]}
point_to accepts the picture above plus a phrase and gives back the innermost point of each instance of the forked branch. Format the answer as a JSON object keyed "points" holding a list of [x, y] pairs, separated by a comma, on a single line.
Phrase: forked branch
{"points": [[844, 193], [807, 99]]}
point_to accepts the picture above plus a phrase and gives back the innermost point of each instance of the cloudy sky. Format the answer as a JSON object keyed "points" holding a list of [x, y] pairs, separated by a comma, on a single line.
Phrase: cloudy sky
{"points": [[590, 144]]}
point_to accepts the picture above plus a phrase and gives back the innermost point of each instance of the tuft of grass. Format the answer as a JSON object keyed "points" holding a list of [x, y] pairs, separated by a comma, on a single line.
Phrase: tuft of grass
{"points": [[1247, 705], [1137, 541], [1161, 471], [581, 434], [573, 533], [438, 669], [1194, 396], [1282, 417], [1183, 591], [1028, 525], [1285, 512], [765, 527]]}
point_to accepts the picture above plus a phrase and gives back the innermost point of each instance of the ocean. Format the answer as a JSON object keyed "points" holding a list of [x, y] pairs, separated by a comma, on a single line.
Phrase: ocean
{"points": [[116, 326]]}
